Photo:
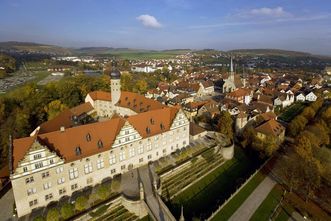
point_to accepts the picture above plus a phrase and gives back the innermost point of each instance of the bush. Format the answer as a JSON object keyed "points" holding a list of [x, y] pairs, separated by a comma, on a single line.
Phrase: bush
{"points": [[81, 203], [53, 215], [67, 211], [103, 191], [39, 218]]}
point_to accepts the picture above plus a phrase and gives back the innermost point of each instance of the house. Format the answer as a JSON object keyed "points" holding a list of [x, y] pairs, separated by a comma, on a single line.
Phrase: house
{"points": [[284, 100], [210, 108], [300, 97], [196, 132], [271, 128], [310, 96], [241, 95]]}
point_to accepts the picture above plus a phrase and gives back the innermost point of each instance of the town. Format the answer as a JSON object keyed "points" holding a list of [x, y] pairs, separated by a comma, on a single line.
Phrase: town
{"points": [[165, 110]]}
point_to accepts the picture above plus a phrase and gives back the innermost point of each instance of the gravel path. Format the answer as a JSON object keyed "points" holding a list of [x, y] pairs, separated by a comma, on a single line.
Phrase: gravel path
{"points": [[247, 209]]}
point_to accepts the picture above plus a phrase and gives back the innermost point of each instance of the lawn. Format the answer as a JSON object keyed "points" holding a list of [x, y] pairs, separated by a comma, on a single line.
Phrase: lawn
{"points": [[292, 111], [265, 210], [226, 212], [203, 197]]}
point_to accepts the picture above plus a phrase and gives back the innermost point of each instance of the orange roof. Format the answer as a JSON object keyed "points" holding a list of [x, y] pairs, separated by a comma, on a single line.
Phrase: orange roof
{"points": [[149, 123], [240, 92], [64, 119], [271, 127], [65, 142], [20, 147], [268, 115], [136, 102]]}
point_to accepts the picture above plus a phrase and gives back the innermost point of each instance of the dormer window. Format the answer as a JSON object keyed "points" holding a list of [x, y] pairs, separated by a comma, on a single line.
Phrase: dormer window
{"points": [[78, 151], [148, 130], [88, 137], [126, 98], [152, 121], [161, 126], [100, 144]]}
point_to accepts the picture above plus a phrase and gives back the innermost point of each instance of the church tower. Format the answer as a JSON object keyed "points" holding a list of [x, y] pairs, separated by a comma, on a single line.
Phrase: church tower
{"points": [[115, 86], [231, 77]]}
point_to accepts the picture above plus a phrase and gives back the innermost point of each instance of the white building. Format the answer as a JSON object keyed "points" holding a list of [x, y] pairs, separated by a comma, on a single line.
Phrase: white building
{"points": [[48, 166], [311, 96]]}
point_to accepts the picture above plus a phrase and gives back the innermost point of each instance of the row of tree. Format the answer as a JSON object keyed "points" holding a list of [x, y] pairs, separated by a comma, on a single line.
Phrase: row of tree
{"points": [[310, 158]]}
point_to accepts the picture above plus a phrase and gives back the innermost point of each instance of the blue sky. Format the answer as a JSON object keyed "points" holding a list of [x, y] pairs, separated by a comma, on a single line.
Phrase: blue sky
{"points": [[303, 25]]}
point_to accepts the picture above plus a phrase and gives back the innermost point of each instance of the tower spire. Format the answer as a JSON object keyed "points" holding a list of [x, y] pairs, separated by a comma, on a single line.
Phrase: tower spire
{"points": [[231, 68]]}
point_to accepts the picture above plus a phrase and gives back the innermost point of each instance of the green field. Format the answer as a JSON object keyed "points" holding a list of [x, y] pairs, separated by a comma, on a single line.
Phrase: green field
{"points": [[203, 197], [136, 55], [292, 111], [226, 212]]}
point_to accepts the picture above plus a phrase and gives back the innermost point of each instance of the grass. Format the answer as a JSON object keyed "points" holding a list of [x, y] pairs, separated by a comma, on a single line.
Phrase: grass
{"points": [[292, 111], [226, 212], [203, 197], [265, 210]]}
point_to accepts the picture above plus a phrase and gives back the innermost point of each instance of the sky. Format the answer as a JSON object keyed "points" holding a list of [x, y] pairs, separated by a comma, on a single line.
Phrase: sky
{"points": [[302, 25]]}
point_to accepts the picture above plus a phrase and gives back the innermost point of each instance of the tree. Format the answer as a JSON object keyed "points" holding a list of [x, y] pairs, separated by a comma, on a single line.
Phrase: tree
{"points": [[308, 113], [103, 191], [67, 211], [225, 125], [141, 86], [81, 203], [53, 215], [54, 108]]}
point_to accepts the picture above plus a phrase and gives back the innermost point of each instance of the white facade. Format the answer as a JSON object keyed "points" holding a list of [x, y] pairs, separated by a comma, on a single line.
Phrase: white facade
{"points": [[311, 97]]}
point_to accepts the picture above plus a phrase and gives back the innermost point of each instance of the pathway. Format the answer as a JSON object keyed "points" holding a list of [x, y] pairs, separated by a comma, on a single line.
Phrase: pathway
{"points": [[247, 209], [6, 205], [152, 199]]}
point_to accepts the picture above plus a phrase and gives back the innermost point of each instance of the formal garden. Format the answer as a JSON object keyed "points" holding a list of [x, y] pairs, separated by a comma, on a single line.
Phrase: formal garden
{"points": [[204, 196]]}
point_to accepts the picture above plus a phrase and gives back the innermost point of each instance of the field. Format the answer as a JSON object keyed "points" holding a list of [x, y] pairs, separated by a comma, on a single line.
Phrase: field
{"points": [[203, 197]]}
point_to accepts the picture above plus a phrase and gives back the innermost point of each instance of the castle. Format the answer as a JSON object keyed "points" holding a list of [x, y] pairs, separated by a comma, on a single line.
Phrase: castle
{"points": [[64, 155]]}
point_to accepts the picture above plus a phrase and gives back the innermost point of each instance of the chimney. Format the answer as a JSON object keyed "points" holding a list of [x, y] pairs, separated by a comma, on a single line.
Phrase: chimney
{"points": [[10, 155], [62, 129]]}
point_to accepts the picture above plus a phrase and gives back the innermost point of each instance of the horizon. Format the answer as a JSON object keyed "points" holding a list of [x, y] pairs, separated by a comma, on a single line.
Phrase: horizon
{"points": [[171, 24]]}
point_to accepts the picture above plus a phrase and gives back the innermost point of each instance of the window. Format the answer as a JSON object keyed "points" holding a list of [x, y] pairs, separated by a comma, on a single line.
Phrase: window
{"points": [[149, 146], [59, 170], [51, 161], [122, 156], [61, 180], [45, 174], [149, 157], [25, 169], [127, 139], [29, 180], [37, 156], [100, 144], [88, 168], [164, 151], [122, 167], [74, 186], [112, 171], [112, 159], [88, 137], [141, 160], [100, 164], [31, 191], [38, 165], [62, 191], [48, 196], [157, 153], [78, 151], [156, 138], [131, 152], [73, 173], [140, 149], [89, 180], [127, 132], [33, 203], [47, 185]]}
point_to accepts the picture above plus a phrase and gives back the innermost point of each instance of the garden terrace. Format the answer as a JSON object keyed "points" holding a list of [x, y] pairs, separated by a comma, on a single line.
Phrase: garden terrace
{"points": [[194, 170], [116, 213], [204, 196]]}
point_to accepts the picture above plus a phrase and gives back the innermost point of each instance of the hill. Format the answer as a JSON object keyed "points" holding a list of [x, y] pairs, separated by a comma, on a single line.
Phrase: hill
{"points": [[30, 47], [277, 52]]}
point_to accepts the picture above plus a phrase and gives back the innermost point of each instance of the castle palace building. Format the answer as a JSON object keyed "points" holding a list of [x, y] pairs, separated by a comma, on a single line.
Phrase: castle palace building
{"points": [[64, 155]]}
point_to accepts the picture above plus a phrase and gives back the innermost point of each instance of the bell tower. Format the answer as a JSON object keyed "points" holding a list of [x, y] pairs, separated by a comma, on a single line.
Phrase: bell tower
{"points": [[115, 86]]}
